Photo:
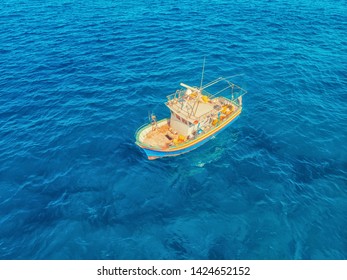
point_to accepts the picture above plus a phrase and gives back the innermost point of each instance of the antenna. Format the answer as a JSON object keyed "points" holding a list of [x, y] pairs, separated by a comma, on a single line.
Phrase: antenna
{"points": [[202, 74]]}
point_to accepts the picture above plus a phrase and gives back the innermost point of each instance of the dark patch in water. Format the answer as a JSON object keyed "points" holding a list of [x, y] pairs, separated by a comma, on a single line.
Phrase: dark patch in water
{"points": [[217, 250], [178, 246]]}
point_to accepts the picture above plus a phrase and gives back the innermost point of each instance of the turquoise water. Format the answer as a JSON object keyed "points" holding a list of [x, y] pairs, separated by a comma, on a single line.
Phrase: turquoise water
{"points": [[77, 78]]}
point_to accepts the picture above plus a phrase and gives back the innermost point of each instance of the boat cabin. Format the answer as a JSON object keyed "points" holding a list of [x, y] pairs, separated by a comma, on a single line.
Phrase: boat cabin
{"points": [[193, 110]]}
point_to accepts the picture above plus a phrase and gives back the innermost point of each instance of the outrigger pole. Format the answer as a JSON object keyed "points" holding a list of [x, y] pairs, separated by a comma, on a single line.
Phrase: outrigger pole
{"points": [[220, 79]]}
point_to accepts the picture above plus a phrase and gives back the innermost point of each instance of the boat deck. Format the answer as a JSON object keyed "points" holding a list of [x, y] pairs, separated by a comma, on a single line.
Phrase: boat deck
{"points": [[164, 136], [203, 108], [158, 137]]}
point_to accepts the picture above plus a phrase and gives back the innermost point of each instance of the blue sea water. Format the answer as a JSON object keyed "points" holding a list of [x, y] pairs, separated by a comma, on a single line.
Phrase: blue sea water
{"points": [[77, 78]]}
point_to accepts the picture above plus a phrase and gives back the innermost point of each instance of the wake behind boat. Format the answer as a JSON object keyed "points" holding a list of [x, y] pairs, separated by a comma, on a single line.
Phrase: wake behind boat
{"points": [[196, 116]]}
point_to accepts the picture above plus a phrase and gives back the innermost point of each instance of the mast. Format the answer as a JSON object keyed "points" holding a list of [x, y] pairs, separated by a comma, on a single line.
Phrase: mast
{"points": [[202, 74]]}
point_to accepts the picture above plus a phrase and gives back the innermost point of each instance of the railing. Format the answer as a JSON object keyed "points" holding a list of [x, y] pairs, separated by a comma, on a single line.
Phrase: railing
{"points": [[236, 91], [178, 94], [139, 129], [203, 132]]}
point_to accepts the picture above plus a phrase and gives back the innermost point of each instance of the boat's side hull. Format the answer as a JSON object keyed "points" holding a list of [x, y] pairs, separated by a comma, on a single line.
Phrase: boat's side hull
{"points": [[189, 146]]}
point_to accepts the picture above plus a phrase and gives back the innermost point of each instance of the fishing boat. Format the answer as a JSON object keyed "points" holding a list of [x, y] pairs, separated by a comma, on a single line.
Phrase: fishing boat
{"points": [[196, 116]]}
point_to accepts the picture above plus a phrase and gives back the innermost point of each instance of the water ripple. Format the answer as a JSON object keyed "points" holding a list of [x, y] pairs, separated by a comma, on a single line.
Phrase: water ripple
{"points": [[77, 78]]}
